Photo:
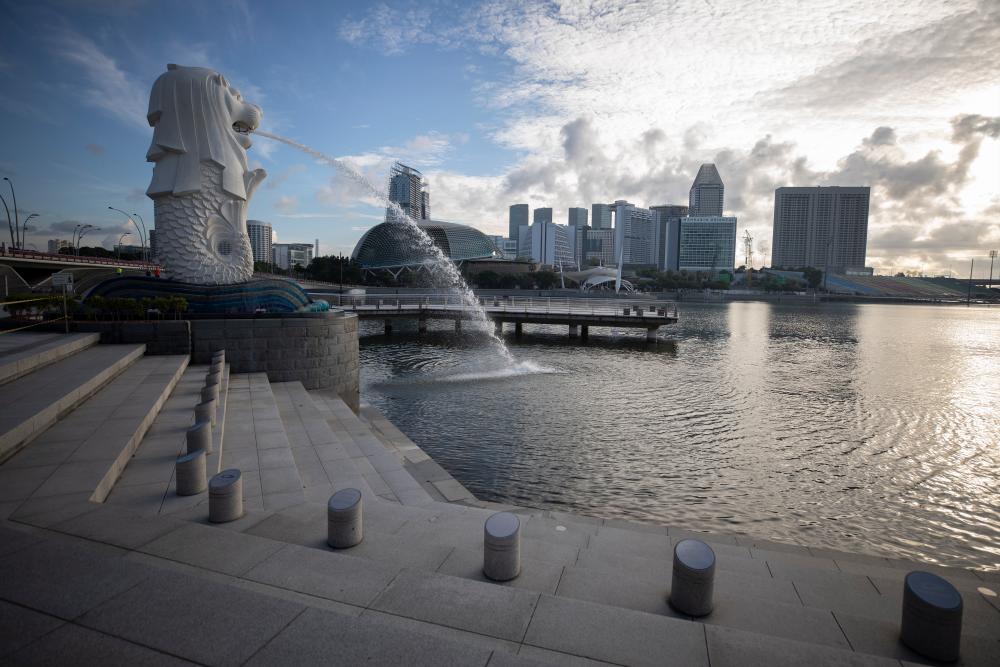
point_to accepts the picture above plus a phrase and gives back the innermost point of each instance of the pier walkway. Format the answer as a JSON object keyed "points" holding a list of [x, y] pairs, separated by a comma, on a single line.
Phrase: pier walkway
{"points": [[143, 578], [579, 314]]}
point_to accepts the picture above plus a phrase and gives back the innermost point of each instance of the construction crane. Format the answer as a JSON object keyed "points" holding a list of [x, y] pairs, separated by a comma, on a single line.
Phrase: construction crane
{"points": [[748, 249]]}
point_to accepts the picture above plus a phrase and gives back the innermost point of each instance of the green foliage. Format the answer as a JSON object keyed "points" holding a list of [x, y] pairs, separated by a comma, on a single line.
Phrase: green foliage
{"points": [[487, 279], [330, 268], [101, 308], [546, 279], [36, 305]]}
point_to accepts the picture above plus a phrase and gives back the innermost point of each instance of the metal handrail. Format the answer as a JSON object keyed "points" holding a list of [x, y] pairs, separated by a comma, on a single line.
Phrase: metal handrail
{"points": [[505, 304], [73, 259]]}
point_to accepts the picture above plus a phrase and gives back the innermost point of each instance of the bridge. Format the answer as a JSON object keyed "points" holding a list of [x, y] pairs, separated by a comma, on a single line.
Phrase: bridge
{"points": [[578, 314]]}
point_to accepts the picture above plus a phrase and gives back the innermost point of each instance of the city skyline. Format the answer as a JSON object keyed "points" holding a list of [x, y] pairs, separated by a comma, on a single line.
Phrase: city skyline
{"points": [[501, 123]]}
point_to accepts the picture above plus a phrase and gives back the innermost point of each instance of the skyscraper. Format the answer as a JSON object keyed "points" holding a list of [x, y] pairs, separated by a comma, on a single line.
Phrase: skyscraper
{"points": [[668, 235], [261, 240], [707, 243], [707, 192], [600, 216], [634, 235], [577, 217], [518, 217], [408, 189], [820, 227], [542, 215]]}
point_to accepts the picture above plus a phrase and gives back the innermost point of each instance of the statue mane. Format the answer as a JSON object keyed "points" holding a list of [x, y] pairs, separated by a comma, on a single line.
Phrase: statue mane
{"points": [[192, 111]]}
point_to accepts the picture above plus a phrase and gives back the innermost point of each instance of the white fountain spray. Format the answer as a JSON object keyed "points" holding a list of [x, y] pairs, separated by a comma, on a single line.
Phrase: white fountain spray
{"points": [[440, 265]]}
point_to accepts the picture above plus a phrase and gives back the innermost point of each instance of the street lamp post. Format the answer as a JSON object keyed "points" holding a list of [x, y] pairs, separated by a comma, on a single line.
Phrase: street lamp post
{"points": [[142, 239], [145, 235], [9, 225], [72, 242], [17, 238], [86, 228], [118, 250], [993, 256], [24, 228]]}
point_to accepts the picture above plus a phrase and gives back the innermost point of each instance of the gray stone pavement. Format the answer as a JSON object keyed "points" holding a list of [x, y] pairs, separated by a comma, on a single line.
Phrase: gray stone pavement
{"points": [[22, 352], [144, 577]]}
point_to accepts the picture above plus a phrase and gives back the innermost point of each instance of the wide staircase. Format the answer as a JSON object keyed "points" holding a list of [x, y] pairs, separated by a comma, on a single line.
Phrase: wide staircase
{"points": [[104, 562]]}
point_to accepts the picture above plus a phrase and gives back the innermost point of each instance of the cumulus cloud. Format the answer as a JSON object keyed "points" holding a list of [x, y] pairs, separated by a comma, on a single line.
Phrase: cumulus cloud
{"points": [[287, 203]]}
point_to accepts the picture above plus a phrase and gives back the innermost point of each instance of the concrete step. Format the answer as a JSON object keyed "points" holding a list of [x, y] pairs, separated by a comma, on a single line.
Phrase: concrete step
{"points": [[387, 468], [22, 353], [148, 484], [87, 450], [34, 402]]}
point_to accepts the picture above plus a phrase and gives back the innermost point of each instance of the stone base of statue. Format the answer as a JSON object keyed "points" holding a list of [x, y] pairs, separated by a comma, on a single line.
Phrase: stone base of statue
{"points": [[272, 295]]}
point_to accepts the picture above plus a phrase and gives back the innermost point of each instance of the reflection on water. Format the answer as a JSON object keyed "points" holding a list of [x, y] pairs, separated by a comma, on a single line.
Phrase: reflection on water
{"points": [[862, 427]]}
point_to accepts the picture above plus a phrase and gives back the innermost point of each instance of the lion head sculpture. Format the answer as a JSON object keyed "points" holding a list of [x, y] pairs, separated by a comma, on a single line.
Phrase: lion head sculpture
{"points": [[201, 182]]}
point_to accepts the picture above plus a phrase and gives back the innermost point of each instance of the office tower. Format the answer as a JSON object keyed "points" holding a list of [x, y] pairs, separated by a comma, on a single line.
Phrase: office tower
{"points": [[599, 245], [707, 243], [542, 215], [547, 243], [600, 216], [668, 235], [580, 244], [577, 217], [505, 246], [706, 196], [820, 227], [634, 235], [261, 240], [518, 217], [408, 189], [56, 244], [288, 255]]}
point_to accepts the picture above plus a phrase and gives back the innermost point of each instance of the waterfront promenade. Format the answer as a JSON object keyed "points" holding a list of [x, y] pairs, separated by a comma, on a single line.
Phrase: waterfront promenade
{"points": [[143, 578]]}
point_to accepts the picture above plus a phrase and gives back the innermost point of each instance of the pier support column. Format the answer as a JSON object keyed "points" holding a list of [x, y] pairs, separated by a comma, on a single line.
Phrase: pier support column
{"points": [[498, 328], [422, 325], [584, 330], [651, 334], [458, 325], [574, 331], [518, 329], [388, 327]]}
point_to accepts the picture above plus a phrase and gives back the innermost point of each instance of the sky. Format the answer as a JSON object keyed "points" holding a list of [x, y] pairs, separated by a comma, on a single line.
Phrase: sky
{"points": [[545, 103]]}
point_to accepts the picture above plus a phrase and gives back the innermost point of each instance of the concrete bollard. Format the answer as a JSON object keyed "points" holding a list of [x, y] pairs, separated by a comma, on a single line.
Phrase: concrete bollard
{"points": [[199, 436], [190, 473], [344, 521], [502, 546], [210, 392], [217, 366], [932, 616], [225, 496], [693, 578], [206, 411], [219, 354], [213, 378]]}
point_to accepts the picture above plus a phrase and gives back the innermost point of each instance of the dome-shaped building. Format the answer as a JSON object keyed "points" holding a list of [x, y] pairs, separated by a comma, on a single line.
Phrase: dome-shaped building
{"points": [[396, 245]]}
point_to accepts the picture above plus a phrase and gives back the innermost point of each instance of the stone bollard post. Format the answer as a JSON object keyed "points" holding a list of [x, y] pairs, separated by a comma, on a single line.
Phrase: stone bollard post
{"points": [[225, 496], [693, 578], [210, 392], [206, 412], [932, 616], [344, 523], [502, 546], [199, 436], [219, 354], [190, 472]]}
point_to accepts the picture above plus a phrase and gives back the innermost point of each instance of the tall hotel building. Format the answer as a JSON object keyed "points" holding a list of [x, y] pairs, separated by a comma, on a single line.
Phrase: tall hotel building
{"points": [[518, 217], [408, 188], [261, 239], [820, 227], [707, 192]]}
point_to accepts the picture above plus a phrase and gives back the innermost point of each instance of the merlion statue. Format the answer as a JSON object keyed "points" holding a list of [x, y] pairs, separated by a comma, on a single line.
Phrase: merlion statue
{"points": [[201, 183]]}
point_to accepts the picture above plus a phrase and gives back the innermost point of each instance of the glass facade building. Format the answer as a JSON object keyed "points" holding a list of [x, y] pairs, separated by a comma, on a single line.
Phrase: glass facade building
{"points": [[820, 227], [707, 243]]}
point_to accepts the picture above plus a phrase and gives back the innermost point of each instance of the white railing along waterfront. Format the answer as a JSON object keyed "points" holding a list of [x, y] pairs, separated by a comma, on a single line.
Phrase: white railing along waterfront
{"points": [[505, 304]]}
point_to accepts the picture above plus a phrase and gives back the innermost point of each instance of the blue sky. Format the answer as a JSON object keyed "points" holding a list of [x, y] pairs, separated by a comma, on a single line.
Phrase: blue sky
{"points": [[554, 104]]}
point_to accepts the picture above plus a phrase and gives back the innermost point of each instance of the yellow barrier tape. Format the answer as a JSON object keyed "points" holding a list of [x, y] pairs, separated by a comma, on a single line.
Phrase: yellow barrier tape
{"points": [[28, 326], [41, 298]]}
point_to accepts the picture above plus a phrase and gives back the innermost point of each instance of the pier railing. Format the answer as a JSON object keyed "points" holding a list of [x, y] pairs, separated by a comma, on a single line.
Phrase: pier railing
{"points": [[504, 304]]}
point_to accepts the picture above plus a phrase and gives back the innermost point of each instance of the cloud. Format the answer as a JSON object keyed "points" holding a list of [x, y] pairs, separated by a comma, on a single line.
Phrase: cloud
{"points": [[287, 203], [107, 86], [94, 149], [275, 181]]}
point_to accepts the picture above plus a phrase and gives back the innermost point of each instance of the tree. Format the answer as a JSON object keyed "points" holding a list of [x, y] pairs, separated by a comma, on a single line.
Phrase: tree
{"points": [[487, 279], [545, 279]]}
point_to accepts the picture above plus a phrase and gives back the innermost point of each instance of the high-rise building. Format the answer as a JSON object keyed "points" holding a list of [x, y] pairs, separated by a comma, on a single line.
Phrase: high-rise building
{"points": [[542, 215], [577, 217], [635, 234], [820, 227], [547, 243], [506, 246], [56, 244], [579, 233], [599, 245], [261, 240], [518, 217], [668, 235], [408, 188], [600, 216], [707, 243], [707, 192], [287, 255]]}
